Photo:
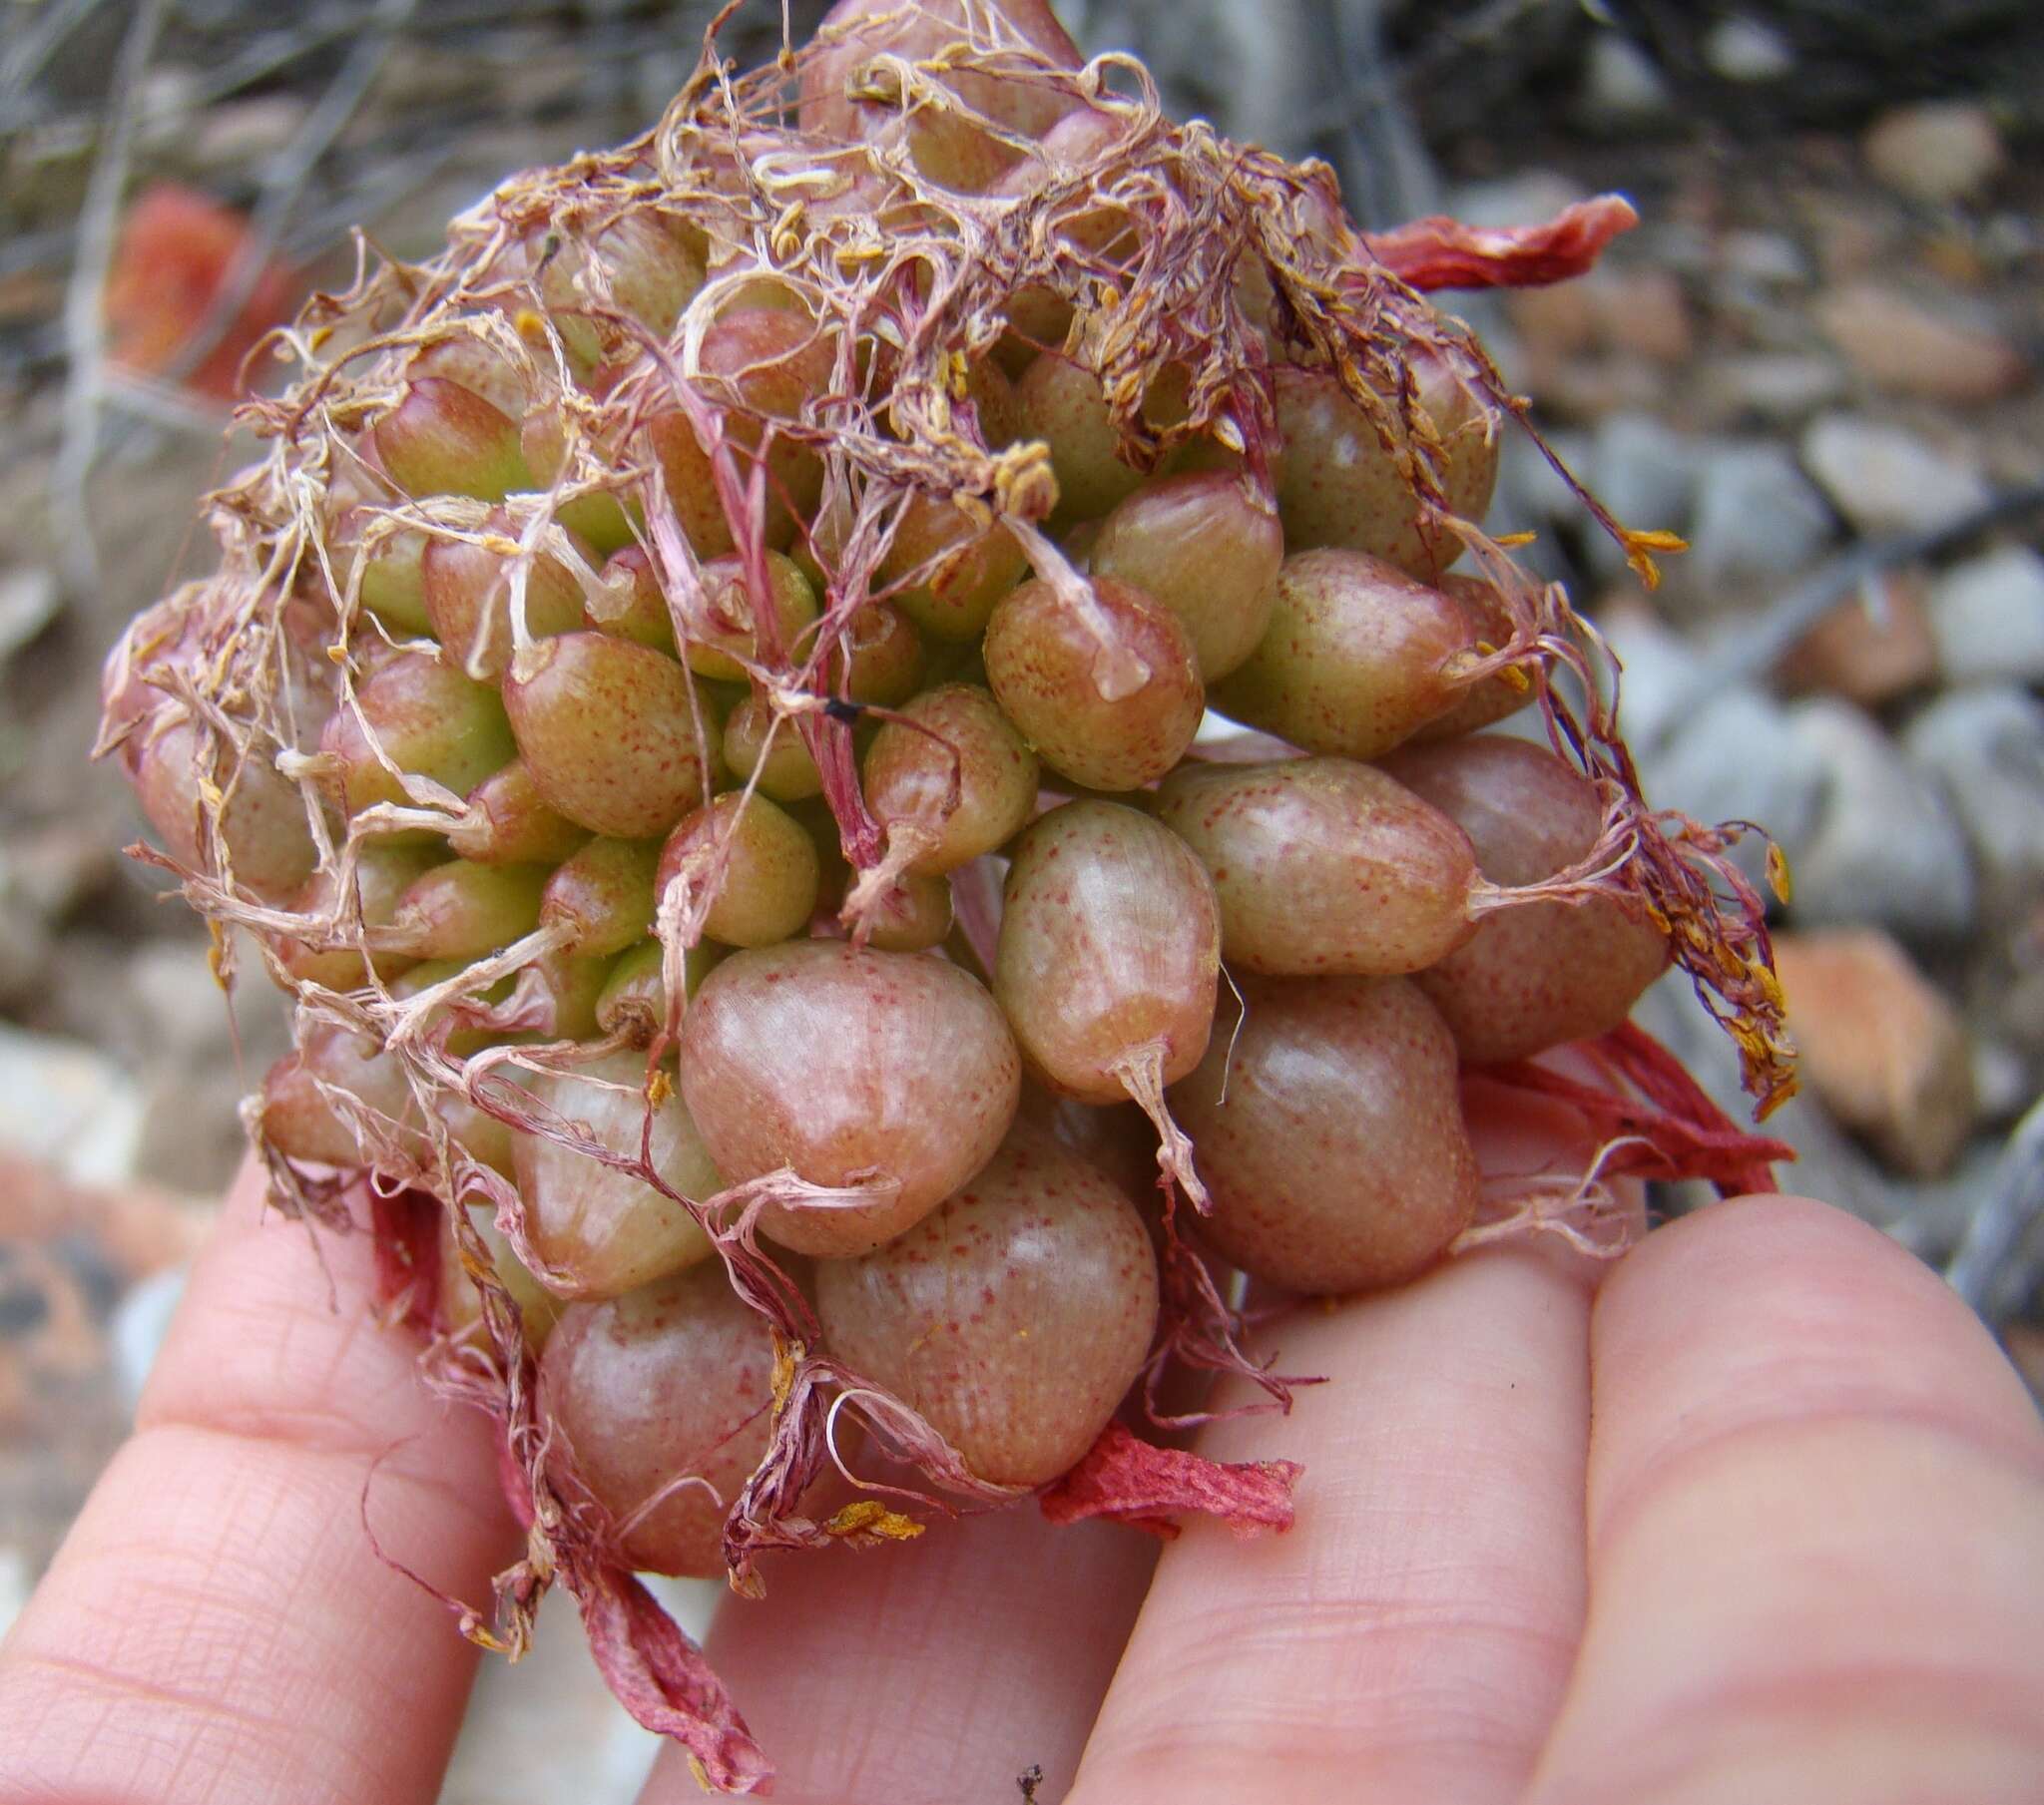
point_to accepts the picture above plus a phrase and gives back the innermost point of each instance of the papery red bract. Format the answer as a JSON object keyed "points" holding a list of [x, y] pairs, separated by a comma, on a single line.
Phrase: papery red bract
{"points": [[1440, 253], [1676, 1130], [1135, 1482], [405, 1227], [661, 1676]]}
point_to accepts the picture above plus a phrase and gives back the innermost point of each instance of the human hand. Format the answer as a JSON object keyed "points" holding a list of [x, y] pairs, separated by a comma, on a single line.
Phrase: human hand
{"points": [[1800, 1556]]}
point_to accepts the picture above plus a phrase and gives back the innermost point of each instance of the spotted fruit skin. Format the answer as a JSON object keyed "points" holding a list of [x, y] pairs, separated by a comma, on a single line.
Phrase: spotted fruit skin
{"points": [[1355, 659], [915, 914], [1208, 548], [632, 1000], [1013, 1316], [1111, 698], [507, 822], [953, 773], [463, 911], [1063, 404], [1329, 1134], [381, 876], [1110, 944], [965, 568], [944, 148], [301, 1122], [762, 863], [776, 361], [770, 752], [880, 658], [1488, 699], [671, 1382], [850, 1067], [427, 720], [268, 846], [601, 900], [392, 575], [611, 734], [444, 438], [1339, 485], [724, 635], [599, 1230], [1540, 973], [1324, 866], [466, 589], [460, 1304]]}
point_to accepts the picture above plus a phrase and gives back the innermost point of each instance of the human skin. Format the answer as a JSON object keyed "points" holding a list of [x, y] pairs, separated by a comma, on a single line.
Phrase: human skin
{"points": [[1797, 1552]]}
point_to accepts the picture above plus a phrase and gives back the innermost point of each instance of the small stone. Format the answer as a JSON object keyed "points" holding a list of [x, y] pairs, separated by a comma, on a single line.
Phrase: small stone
{"points": [[1516, 200], [2003, 1083], [1675, 241], [1988, 618], [1642, 313], [1909, 347], [1594, 388], [166, 100], [192, 1135], [56, 867], [1771, 386], [29, 297], [29, 599], [1746, 50], [1530, 492], [1659, 669], [181, 1008], [1621, 84], [1986, 746], [1872, 648], [1828, 1163], [1939, 1211], [1884, 479], [1755, 516], [1851, 238], [1880, 1045], [1886, 846], [1646, 313], [1646, 474], [1736, 756], [45, 873], [1962, 259], [16, 1583], [1772, 260], [24, 937], [1939, 152], [1558, 320], [141, 1321], [133, 1229], [62, 1104]]}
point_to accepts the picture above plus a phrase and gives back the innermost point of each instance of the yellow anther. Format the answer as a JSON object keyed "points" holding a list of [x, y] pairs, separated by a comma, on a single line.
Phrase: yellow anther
{"points": [[869, 1517]]}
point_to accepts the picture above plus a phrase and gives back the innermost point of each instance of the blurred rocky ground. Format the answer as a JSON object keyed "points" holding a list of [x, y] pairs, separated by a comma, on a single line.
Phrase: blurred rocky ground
{"points": [[1816, 359]]}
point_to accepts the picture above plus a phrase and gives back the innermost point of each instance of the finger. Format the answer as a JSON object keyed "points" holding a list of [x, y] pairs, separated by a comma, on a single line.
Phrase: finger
{"points": [[931, 1674], [1816, 1530], [1410, 1635], [217, 1627]]}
